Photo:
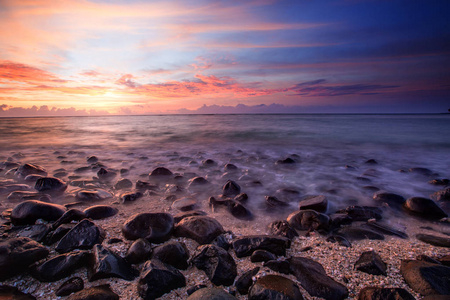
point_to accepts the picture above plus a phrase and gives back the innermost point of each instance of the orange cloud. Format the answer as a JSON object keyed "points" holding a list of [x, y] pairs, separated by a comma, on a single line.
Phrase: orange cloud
{"points": [[17, 72]]}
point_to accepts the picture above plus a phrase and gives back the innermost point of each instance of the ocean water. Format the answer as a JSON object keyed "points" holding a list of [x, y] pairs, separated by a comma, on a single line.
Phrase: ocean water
{"points": [[330, 151]]}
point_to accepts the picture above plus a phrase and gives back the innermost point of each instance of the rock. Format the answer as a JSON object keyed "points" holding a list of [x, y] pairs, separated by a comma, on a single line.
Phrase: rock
{"points": [[245, 281], [262, 256], [280, 266], [123, 183], [155, 227], [246, 245], [308, 220], [315, 281], [173, 253], [83, 236], [28, 169], [222, 242], [385, 229], [339, 219], [70, 286], [109, 264], [371, 263], [58, 233], [282, 228], [239, 211], [286, 161], [198, 182], [392, 200], [211, 294], [230, 167], [92, 159], [445, 260], [317, 203], [434, 240], [157, 279], [93, 196], [139, 251], [371, 162], [241, 198], [25, 195], [353, 233], [342, 241], [422, 171], [180, 216], [60, 266], [50, 185], [425, 208], [362, 213], [202, 229], [143, 186], [130, 197], [184, 204], [98, 212], [231, 189], [37, 232], [274, 287], [273, 204], [69, 216], [160, 171], [379, 293], [426, 278], [29, 211], [17, 254], [195, 288], [101, 292], [217, 263], [442, 195], [105, 174], [12, 293], [209, 163]]}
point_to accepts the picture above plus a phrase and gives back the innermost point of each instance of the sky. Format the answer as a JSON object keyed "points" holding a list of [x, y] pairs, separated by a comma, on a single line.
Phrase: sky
{"points": [[93, 57]]}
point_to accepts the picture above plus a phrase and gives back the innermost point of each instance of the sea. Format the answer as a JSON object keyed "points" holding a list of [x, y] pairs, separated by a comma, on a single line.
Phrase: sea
{"points": [[344, 157]]}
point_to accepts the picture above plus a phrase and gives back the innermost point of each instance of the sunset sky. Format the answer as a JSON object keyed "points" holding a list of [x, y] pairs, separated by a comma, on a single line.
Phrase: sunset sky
{"points": [[75, 57]]}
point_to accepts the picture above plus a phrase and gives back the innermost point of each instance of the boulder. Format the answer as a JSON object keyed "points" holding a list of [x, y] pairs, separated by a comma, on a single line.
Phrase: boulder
{"points": [[109, 264], [308, 220], [239, 211], [98, 212], [202, 229], [426, 278], [155, 227], [29, 211], [70, 286], [317, 203], [211, 294], [379, 293], [274, 287], [425, 208], [61, 266], [83, 236], [173, 253], [273, 204], [101, 292], [245, 281], [139, 251], [370, 262], [282, 228], [246, 245]]}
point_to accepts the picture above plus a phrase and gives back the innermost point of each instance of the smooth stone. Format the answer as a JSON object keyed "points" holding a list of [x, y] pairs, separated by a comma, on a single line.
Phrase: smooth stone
{"points": [[421, 171], [92, 159], [25, 195], [139, 251], [282, 228], [274, 204], [239, 211], [195, 288], [155, 227], [231, 189], [83, 236], [425, 208], [201, 229], [362, 213], [123, 183], [230, 167], [342, 241], [391, 199], [98, 212], [70, 286], [274, 287], [385, 229], [130, 197], [370, 262], [58, 233], [280, 266], [101, 292], [262, 256], [222, 242], [317, 203], [109, 264], [442, 195], [434, 240], [37, 232], [426, 278], [180, 216], [72, 214], [173, 253], [314, 280], [143, 186], [184, 204], [241, 198], [209, 163], [371, 162], [29, 211], [105, 174], [12, 293], [158, 278], [217, 263], [17, 254], [246, 245], [61, 266], [308, 220], [197, 182], [160, 171], [245, 281], [379, 293], [286, 161], [211, 294], [357, 233], [28, 169], [93, 196], [50, 185]]}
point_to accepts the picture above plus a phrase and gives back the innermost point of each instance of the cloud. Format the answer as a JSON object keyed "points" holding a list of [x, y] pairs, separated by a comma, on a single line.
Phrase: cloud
{"points": [[44, 110], [18, 72], [127, 80], [319, 88]]}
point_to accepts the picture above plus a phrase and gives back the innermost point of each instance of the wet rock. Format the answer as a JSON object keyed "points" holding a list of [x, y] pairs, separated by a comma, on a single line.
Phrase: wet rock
{"points": [[353, 233], [58, 233], [386, 229], [25, 195], [92, 159], [28, 169], [12, 293], [314, 280], [211, 294], [17, 254], [93, 196], [273, 204], [101, 292], [83, 236], [274, 287], [158, 278], [262, 256], [342, 241], [280, 266], [370, 262], [422, 171], [231, 189], [155, 227], [60, 266], [173, 253], [37, 232], [160, 171], [286, 161], [198, 182], [391, 199], [317, 203], [105, 174], [241, 198], [139, 251], [245, 281], [144, 186], [425, 208], [371, 162], [50, 185], [230, 167], [339, 219], [222, 242], [445, 260], [130, 197], [82, 170], [308, 220], [202, 229], [184, 204], [180, 216], [426, 278], [109, 264], [442, 195], [362, 213], [239, 211], [379, 293], [217, 263], [246, 245], [29, 211], [443, 181], [195, 288], [282, 228], [123, 183], [98, 212], [434, 240], [72, 214]]}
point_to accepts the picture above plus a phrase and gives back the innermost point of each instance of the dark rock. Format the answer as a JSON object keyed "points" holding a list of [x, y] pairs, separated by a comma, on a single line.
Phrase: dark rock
{"points": [[246, 245], [308, 220], [339, 219], [109, 264], [286, 161], [28, 169], [160, 171], [36, 232], [378, 293], [280, 266], [434, 240], [157, 279], [60, 266], [262, 256], [230, 167], [371, 263], [50, 185], [442, 195], [371, 162], [12, 293], [358, 233], [101, 292], [209, 163], [58, 233], [282, 228], [173, 253], [422, 171], [92, 196], [130, 197], [241, 198], [222, 242], [92, 159], [180, 216], [185, 204], [342, 241], [445, 260], [273, 204], [155, 227], [443, 181], [202, 229], [239, 211], [29, 211], [426, 258], [98, 212], [139, 251], [17, 254], [426, 278], [385, 229], [123, 183], [82, 170], [274, 287], [425, 208], [362, 213], [315, 281], [69, 216], [211, 294], [231, 189], [83, 236], [24, 195], [143, 186], [195, 288], [392, 200], [106, 175], [217, 263], [114, 241], [245, 281], [197, 182], [317, 203]]}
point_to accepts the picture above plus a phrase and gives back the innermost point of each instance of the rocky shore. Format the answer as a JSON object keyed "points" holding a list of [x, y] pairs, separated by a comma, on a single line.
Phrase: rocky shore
{"points": [[78, 226]]}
